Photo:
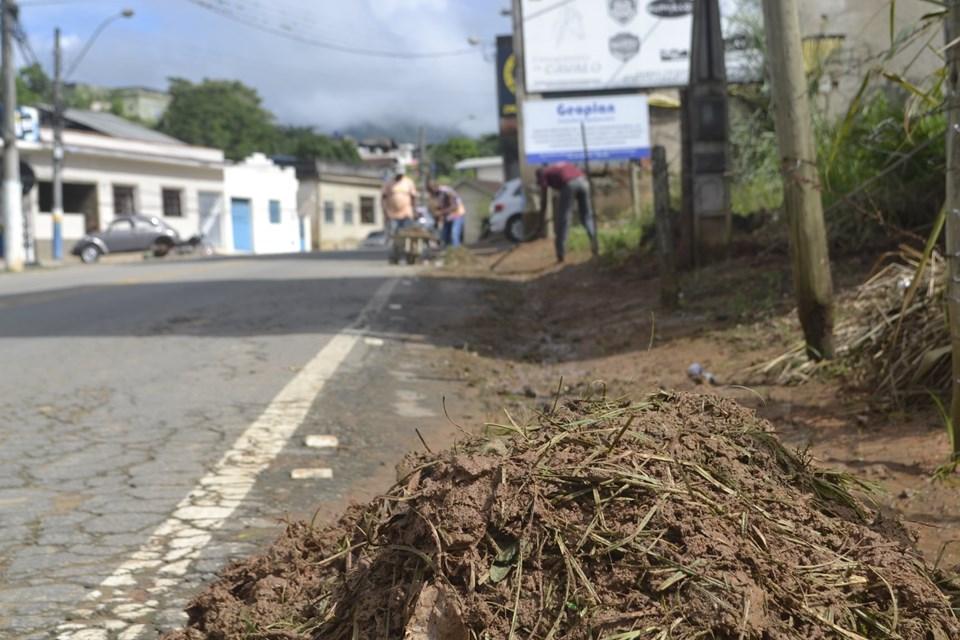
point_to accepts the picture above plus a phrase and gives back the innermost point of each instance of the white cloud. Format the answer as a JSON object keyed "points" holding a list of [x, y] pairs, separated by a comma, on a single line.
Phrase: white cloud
{"points": [[393, 7], [304, 84]]}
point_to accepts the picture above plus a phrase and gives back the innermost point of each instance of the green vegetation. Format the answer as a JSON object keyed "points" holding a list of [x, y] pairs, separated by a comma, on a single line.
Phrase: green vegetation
{"points": [[35, 87], [229, 115], [223, 114], [448, 153], [304, 142], [618, 243], [881, 163]]}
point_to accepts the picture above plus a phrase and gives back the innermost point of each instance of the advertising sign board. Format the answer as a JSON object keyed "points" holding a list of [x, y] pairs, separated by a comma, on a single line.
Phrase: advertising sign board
{"points": [[587, 45], [617, 129], [506, 77]]}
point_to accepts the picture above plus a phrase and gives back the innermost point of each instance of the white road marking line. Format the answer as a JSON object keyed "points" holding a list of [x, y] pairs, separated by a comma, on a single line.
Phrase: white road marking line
{"points": [[374, 342], [322, 442], [179, 540], [312, 474], [396, 307]]}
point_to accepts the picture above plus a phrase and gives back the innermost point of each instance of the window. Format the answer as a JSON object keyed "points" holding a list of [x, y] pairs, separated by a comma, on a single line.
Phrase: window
{"points": [[124, 200], [328, 212], [368, 211], [274, 212], [120, 226], [347, 213], [172, 203]]}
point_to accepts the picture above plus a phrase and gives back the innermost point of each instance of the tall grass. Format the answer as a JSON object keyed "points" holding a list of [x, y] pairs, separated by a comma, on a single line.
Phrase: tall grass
{"points": [[881, 163], [618, 242]]}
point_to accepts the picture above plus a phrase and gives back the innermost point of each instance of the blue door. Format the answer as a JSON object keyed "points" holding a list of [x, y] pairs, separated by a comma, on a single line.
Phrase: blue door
{"points": [[242, 216]]}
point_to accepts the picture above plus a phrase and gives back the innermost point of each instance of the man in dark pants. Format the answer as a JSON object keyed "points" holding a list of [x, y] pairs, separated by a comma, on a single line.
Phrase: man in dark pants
{"points": [[572, 184]]}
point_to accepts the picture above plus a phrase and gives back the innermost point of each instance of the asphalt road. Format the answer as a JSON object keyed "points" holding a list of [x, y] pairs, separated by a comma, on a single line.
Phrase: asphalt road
{"points": [[152, 416]]}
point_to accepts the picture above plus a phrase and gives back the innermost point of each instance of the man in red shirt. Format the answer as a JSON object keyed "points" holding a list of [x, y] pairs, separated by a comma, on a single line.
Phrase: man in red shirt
{"points": [[572, 184]]}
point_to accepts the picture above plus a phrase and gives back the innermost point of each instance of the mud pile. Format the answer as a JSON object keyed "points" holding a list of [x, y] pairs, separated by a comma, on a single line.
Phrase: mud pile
{"points": [[678, 517]]}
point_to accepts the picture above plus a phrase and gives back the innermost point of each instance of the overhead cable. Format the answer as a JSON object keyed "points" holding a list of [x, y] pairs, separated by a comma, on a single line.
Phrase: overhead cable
{"points": [[221, 8]]}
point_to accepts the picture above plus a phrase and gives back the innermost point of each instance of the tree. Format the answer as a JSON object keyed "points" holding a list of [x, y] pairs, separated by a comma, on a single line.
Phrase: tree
{"points": [[306, 144], [33, 85], [447, 154], [223, 114]]}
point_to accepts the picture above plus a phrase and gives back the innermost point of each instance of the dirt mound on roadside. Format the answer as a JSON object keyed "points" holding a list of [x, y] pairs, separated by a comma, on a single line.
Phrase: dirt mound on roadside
{"points": [[678, 517]]}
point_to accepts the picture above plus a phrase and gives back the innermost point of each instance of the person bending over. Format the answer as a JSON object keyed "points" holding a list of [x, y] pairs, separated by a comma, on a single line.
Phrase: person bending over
{"points": [[572, 184]]}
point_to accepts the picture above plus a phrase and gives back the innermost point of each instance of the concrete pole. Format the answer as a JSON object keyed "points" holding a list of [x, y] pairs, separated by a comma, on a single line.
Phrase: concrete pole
{"points": [[953, 208], [13, 227], [531, 220], [57, 147], [802, 199]]}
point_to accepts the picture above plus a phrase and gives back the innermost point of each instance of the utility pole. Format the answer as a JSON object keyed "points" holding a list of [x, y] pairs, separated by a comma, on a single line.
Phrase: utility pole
{"points": [[422, 162], [953, 209], [802, 199], [57, 147], [709, 131], [12, 193]]}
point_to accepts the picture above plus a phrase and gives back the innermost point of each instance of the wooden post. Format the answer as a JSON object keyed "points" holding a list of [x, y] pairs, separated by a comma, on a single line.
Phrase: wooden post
{"points": [[802, 199], [685, 251], [953, 208], [669, 291], [636, 201]]}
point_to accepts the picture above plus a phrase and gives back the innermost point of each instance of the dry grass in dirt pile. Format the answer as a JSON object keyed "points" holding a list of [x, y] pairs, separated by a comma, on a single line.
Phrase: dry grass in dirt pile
{"points": [[586, 322], [678, 517]]}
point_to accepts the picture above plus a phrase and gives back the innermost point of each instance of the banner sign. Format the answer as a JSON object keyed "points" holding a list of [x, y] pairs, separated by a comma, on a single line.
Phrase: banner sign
{"points": [[506, 77], [617, 129], [586, 45]]}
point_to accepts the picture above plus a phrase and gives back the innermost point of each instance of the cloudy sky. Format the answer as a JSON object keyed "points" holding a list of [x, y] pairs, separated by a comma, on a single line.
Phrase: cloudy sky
{"points": [[301, 82]]}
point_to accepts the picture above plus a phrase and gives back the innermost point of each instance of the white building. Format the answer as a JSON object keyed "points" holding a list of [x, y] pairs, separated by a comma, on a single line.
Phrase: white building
{"points": [[262, 216], [385, 154], [114, 167], [486, 169]]}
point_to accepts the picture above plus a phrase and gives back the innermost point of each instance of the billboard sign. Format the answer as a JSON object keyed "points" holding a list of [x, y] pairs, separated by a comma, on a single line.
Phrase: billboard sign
{"points": [[506, 77], [588, 45], [617, 129]]}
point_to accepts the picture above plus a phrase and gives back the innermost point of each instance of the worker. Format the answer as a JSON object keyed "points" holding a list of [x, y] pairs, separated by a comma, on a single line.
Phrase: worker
{"points": [[450, 210], [572, 185], [399, 199]]}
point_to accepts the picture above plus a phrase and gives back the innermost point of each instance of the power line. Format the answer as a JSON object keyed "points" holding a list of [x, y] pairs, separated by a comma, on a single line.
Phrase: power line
{"points": [[220, 8], [43, 3], [26, 49]]}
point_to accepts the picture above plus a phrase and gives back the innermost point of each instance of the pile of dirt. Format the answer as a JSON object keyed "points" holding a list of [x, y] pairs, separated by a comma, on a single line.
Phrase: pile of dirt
{"points": [[678, 517]]}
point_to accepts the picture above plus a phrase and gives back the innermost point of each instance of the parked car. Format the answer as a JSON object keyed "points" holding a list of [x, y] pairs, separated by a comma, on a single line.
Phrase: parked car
{"points": [[506, 210], [128, 234], [375, 240]]}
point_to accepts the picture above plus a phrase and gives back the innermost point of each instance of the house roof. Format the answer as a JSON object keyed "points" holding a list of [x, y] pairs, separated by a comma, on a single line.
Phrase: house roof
{"points": [[489, 162], [326, 171], [483, 186], [117, 127], [114, 126]]}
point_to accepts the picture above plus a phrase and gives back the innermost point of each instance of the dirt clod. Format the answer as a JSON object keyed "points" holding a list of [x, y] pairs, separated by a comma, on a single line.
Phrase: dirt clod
{"points": [[678, 517]]}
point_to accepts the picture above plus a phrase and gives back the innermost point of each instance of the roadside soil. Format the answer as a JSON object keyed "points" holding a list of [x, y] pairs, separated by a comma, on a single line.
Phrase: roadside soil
{"points": [[586, 329]]}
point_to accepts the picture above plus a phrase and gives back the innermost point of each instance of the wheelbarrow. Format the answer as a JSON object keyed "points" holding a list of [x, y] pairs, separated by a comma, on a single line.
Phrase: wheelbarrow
{"points": [[412, 244]]}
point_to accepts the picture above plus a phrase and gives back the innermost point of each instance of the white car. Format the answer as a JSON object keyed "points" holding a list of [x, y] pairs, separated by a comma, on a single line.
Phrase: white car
{"points": [[506, 210]]}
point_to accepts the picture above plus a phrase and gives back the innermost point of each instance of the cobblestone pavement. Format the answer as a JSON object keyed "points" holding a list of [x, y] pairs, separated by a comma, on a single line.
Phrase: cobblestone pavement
{"points": [[150, 424]]}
